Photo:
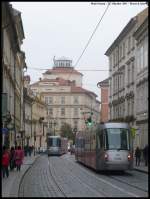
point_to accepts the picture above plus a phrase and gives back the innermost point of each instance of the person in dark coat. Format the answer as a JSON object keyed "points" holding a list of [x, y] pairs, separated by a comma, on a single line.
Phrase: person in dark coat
{"points": [[145, 154], [138, 156], [5, 162], [25, 150], [12, 158]]}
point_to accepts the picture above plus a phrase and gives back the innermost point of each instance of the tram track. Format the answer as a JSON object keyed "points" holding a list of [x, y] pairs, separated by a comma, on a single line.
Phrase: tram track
{"points": [[54, 179], [89, 186], [110, 177], [131, 185]]}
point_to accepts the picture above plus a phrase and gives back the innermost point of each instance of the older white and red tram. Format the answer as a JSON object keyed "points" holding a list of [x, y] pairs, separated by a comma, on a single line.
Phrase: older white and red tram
{"points": [[107, 146]]}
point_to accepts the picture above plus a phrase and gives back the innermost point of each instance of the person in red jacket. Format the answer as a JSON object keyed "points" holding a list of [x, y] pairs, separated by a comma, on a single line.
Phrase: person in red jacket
{"points": [[5, 162], [19, 156]]}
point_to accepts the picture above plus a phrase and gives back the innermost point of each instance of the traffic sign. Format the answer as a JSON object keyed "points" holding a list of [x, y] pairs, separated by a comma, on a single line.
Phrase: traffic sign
{"points": [[133, 132], [4, 130]]}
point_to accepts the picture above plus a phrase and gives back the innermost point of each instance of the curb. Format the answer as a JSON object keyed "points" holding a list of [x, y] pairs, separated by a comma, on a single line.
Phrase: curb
{"points": [[15, 188], [142, 171]]}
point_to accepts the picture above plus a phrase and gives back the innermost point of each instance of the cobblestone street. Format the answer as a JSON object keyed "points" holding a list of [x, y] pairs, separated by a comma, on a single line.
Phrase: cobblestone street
{"points": [[63, 177]]}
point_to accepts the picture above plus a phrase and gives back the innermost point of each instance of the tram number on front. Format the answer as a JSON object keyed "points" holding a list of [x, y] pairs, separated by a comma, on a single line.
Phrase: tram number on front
{"points": [[117, 158]]}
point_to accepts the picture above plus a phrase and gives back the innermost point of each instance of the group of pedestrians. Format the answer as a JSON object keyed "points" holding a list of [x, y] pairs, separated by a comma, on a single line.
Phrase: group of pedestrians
{"points": [[12, 158], [138, 154], [28, 150]]}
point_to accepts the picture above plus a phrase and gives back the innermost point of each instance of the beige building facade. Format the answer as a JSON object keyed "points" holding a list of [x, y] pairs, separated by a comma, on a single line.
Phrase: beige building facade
{"points": [[67, 101], [35, 113], [13, 63]]}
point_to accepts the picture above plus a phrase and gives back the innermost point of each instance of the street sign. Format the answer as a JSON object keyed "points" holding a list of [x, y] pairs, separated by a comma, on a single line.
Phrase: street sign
{"points": [[4, 130], [133, 132]]}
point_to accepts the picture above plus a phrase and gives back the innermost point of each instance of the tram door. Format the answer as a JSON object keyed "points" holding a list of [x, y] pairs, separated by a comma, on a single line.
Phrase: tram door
{"points": [[100, 150]]}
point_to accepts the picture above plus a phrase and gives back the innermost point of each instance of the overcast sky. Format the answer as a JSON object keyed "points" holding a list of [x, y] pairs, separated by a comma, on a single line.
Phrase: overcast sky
{"points": [[64, 28]]}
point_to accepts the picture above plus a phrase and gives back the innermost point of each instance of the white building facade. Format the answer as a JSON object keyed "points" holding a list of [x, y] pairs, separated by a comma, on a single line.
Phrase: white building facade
{"points": [[141, 56], [123, 75]]}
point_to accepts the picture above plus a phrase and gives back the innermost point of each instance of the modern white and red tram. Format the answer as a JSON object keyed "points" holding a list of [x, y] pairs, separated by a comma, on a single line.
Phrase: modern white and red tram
{"points": [[57, 145], [107, 146]]}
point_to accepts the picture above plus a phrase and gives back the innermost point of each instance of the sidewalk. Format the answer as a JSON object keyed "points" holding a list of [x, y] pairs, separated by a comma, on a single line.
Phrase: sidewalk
{"points": [[10, 185], [141, 168]]}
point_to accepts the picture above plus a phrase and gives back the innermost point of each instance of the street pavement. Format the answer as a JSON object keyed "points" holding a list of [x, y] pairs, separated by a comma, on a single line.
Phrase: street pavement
{"points": [[10, 185]]}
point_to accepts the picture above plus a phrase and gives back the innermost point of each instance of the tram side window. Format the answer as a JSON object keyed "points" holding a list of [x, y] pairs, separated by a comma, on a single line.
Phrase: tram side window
{"points": [[100, 140]]}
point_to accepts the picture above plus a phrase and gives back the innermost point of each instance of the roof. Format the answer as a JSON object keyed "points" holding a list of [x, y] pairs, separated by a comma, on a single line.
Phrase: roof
{"points": [[141, 28], [77, 89], [62, 70], [103, 83], [138, 20], [60, 81], [141, 17], [63, 82]]}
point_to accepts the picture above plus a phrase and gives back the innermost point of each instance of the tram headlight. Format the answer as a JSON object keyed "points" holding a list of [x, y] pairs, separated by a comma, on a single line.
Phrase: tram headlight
{"points": [[129, 156], [106, 156]]}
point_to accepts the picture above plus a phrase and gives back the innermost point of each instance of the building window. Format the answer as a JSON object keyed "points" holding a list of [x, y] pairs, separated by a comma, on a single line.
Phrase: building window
{"points": [[128, 107], [132, 107], [50, 124], [50, 111], [75, 124], [76, 112], [110, 63], [46, 100], [114, 59], [123, 49], [138, 60], [63, 100], [129, 74], [129, 43], [133, 71], [133, 42], [120, 54], [146, 53], [62, 111], [50, 100], [76, 100], [62, 122], [141, 57]]}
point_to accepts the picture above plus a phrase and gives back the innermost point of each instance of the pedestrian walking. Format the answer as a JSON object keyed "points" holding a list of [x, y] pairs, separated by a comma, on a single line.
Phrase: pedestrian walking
{"points": [[145, 154], [30, 150], [12, 158], [25, 150], [138, 156], [5, 162], [19, 155]]}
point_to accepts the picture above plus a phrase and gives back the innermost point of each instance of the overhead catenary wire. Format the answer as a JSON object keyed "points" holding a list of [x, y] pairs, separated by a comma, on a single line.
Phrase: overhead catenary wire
{"points": [[89, 39], [78, 69]]}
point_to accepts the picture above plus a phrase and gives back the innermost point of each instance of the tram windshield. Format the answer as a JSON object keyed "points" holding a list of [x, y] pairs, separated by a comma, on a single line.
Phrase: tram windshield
{"points": [[117, 138], [54, 142]]}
